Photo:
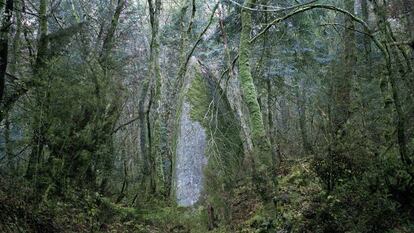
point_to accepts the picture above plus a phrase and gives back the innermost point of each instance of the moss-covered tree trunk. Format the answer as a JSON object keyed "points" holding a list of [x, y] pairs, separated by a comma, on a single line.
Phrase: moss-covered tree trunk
{"points": [[15, 47], [16, 40], [101, 134], [39, 128], [301, 106], [258, 162], [341, 94], [150, 96], [342, 83], [108, 42], [8, 145], [161, 159], [246, 79], [276, 159], [233, 93], [395, 70], [4, 45]]}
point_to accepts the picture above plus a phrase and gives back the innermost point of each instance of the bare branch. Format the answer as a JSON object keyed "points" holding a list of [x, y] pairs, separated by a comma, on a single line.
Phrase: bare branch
{"points": [[327, 7], [125, 124], [200, 36], [271, 8]]}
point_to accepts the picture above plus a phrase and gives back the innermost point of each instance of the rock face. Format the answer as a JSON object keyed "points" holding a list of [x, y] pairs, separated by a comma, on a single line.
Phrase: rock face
{"points": [[190, 159], [206, 115]]}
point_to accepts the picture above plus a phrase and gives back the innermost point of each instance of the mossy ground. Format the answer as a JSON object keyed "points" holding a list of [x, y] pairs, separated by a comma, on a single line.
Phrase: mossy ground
{"points": [[85, 211], [299, 205]]}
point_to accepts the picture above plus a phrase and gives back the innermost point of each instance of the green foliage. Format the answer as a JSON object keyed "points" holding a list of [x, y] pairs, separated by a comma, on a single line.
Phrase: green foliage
{"points": [[210, 107], [199, 97], [76, 211], [356, 205], [75, 111], [76, 85]]}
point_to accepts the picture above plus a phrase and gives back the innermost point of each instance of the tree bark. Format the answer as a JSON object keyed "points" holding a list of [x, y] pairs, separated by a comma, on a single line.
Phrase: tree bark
{"points": [[16, 39], [246, 79], [8, 146], [108, 42], [259, 162], [150, 97], [342, 85], [39, 130], [4, 46], [276, 158], [392, 54], [232, 89], [301, 105]]}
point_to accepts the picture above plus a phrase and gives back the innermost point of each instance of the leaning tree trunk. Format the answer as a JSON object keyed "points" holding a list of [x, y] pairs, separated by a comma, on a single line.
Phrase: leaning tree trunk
{"points": [[395, 70], [105, 61], [108, 42]]}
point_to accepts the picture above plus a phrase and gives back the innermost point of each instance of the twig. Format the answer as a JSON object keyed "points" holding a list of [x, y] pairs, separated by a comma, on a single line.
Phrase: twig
{"points": [[22, 11], [200, 36], [125, 124], [348, 28]]}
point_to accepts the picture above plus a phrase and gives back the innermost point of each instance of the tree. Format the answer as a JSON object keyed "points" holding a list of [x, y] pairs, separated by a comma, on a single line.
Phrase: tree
{"points": [[4, 46], [149, 95], [258, 161], [38, 140]]}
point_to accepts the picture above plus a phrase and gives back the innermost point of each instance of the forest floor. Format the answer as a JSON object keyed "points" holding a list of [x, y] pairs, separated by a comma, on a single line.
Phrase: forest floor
{"points": [[297, 206]]}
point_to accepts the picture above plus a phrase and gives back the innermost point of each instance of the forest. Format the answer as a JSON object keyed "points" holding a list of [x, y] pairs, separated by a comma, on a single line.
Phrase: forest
{"points": [[222, 116]]}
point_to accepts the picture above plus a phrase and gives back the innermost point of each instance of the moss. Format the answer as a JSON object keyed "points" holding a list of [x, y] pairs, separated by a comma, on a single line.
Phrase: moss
{"points": [[260, 141], [246, 79], [259, 163], [211, 109], [198, 96], [177, 219], [110, 209]]}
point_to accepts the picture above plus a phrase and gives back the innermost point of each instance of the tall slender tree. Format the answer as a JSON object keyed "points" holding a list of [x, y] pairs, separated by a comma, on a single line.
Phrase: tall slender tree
{"points": [[247, 84], [4, 45], [39, 128]]}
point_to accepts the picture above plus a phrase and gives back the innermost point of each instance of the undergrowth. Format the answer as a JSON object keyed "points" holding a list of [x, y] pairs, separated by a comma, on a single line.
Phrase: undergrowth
{"points": [[300, 204]]}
